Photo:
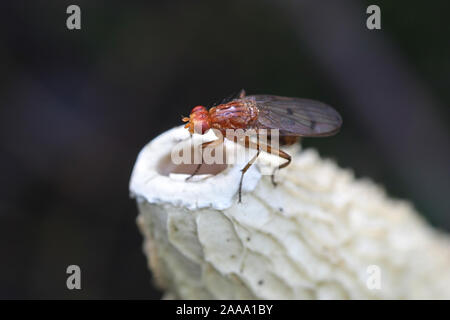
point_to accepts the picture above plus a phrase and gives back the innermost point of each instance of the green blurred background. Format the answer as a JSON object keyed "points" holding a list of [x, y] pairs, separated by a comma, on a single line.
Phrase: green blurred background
{"points": [[77, 106]]}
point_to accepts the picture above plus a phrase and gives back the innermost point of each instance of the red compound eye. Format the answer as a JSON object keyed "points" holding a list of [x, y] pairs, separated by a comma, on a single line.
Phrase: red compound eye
{"points": [[198, 108]]}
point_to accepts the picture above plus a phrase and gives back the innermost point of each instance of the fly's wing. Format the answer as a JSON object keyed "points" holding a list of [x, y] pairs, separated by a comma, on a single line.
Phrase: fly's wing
{"points": [[295, 116]]}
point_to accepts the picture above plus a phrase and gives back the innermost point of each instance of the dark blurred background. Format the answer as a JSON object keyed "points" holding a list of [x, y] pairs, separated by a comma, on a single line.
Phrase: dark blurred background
{"points": [[77, 106]]}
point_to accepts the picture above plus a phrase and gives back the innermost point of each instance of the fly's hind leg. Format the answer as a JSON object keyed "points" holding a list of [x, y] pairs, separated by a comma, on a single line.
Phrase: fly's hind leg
{"points": [[211, 144], [277, 152], [283, 155], [267, 148], [286, 141]]}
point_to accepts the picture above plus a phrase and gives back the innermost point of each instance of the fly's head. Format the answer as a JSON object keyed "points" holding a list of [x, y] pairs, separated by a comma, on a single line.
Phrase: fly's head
{"points": [[198, 121]]}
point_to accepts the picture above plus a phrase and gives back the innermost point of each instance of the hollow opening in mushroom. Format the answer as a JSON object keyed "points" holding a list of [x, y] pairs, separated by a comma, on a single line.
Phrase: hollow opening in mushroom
{"points": [[166, 165]]}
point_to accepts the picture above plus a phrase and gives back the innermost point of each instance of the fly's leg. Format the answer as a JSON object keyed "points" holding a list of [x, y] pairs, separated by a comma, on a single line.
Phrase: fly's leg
{"points": [[283, 155], [243, 171], [251, 145], [211, 144], [195, 172], [267, 148]]}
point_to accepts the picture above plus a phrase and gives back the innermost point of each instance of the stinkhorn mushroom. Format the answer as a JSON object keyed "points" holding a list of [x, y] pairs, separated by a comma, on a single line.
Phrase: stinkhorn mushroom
{"points": [[319, 234]]}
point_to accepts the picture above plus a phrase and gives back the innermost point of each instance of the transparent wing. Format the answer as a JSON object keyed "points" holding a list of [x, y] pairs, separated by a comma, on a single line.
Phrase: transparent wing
{"points": [[295, 116]]}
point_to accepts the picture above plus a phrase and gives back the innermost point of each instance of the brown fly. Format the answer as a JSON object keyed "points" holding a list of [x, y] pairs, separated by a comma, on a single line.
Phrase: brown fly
{"points": [[293, 117]]}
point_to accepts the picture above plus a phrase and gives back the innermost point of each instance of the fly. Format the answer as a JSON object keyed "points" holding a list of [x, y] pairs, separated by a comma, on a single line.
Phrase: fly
{"points": [[292, 117]]}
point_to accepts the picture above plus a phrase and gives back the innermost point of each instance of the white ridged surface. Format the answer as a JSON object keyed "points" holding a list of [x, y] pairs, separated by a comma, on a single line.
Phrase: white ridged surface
{"points": [[311, 237]]}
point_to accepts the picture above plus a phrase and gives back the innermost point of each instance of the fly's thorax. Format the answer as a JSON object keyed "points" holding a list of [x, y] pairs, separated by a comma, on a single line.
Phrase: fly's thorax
{"points": [[237, 114]]}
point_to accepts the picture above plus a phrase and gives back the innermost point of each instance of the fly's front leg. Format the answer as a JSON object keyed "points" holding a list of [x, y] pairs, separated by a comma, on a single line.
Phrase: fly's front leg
{"points": [[197, 169], [211, 144]]}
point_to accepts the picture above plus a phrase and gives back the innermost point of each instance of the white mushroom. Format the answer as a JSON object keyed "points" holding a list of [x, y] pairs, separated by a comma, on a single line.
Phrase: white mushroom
{"points": [[319, 234]]}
